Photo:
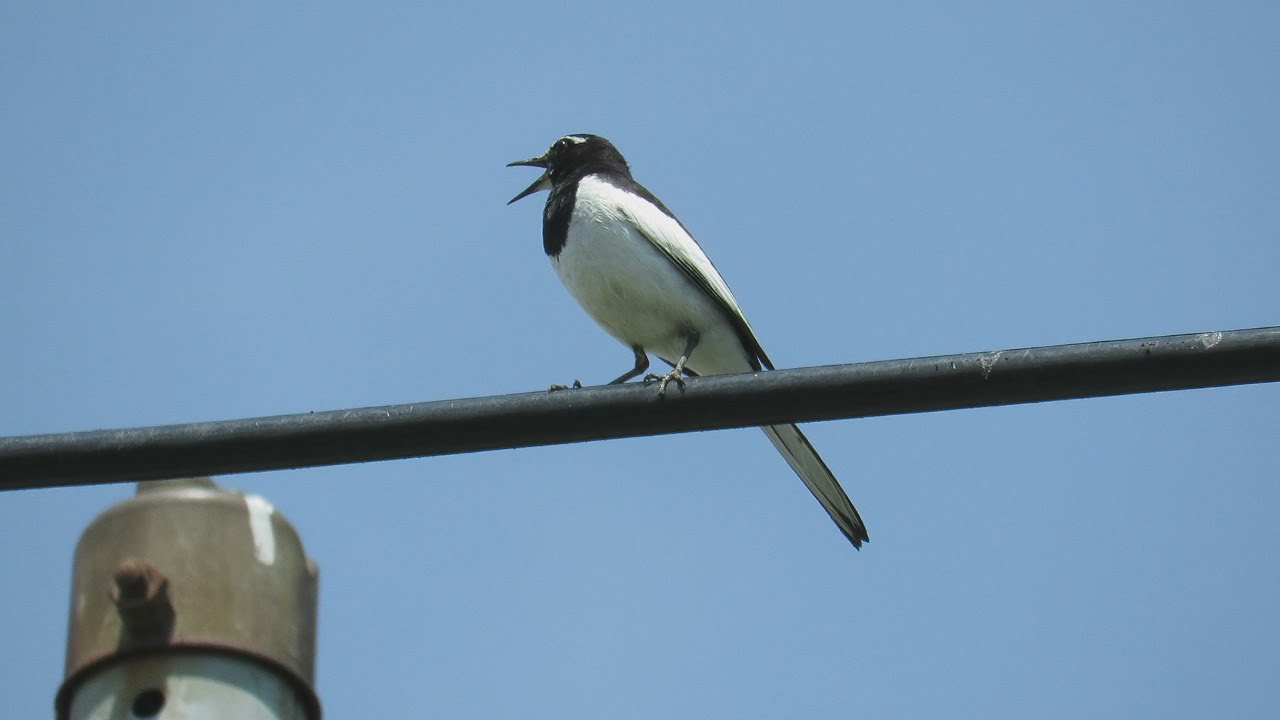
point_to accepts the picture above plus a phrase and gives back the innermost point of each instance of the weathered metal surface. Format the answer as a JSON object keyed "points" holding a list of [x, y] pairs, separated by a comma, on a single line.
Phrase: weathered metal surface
{"points": [[186, 568]]}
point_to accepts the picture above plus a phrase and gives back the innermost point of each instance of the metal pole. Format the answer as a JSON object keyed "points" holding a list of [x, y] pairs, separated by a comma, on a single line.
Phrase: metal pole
{"points": [[190, 601], [949, 382]]}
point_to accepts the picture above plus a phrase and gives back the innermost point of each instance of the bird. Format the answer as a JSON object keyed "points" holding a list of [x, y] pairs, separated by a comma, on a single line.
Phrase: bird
{"points": [[638, 272]]}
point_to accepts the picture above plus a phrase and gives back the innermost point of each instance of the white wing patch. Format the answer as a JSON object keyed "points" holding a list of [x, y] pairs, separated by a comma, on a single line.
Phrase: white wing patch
{"points": [[667, 234]]}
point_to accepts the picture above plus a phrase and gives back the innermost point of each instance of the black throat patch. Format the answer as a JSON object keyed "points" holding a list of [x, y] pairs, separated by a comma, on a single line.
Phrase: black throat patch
{"points": [[555, 217]]}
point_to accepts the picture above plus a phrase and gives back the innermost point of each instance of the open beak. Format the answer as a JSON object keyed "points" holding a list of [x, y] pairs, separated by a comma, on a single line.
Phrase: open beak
{"points": [[542, 183]]}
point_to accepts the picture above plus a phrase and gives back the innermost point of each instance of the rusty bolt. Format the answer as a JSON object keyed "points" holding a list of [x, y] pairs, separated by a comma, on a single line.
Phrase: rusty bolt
{"points": [[141, 595]]}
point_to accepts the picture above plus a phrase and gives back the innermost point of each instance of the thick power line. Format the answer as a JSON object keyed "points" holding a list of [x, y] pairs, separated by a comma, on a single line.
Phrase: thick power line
{"points": [[889, 387]]}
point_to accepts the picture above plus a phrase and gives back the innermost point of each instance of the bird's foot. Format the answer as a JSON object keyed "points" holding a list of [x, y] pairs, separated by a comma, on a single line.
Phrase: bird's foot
{"points": [[664, 380], [577, 384]]}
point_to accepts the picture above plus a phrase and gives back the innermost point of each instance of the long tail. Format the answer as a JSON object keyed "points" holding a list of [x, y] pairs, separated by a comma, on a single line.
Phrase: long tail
{"points": [[802, 458]]}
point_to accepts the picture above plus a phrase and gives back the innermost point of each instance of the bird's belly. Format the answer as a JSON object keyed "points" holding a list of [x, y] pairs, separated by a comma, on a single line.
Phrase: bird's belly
{"points": [[637, 295]]}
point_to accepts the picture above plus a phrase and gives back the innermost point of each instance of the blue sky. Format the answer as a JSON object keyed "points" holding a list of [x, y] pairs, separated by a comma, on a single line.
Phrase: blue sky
{"points": [[233, 211]]}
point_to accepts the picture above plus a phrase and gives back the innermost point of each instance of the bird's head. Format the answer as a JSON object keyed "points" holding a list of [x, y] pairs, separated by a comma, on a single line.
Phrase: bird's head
{"points": [[570, 158]]}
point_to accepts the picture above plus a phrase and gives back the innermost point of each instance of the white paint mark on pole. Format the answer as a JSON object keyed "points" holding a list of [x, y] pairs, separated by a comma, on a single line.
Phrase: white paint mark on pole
{"points": [[264, 538]]}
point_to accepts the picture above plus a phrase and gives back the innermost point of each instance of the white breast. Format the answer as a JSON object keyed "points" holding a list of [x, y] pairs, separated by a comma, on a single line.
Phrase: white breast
{"points": [[633, 290]]}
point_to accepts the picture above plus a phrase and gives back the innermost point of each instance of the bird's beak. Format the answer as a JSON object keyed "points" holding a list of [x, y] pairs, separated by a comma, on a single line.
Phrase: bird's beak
{"points": [[542, 183]]}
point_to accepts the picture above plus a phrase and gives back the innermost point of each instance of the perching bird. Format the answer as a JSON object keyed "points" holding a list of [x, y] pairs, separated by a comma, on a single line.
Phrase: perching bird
{"points": [[638, 272]]}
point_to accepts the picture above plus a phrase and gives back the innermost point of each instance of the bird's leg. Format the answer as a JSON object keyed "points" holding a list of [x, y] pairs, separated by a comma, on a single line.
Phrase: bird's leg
{"points": [[691, 342], [642, 364]]}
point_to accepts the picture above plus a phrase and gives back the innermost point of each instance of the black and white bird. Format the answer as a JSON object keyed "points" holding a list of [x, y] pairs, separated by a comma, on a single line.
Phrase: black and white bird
{"points": [[640, 274]]}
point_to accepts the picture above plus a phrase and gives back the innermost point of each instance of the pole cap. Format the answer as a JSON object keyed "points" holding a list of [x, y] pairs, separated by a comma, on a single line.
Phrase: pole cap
{"points": [[188, 566]]}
